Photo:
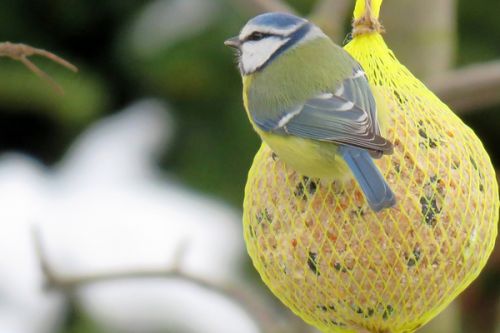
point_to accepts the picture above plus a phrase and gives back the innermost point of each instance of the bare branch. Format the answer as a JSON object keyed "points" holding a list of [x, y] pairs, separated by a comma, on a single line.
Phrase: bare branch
{"points": [[263, 314], [470, 88], [410, 25], [21, 52], [260, 6]]}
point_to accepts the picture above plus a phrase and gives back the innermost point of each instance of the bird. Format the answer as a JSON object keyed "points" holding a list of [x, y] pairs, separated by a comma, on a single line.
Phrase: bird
{"points": [[311, 103]]}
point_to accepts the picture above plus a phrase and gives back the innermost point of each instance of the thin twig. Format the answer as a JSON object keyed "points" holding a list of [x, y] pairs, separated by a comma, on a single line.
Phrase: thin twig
{"points": [[470, 88], [21, 52], [264, 316]]}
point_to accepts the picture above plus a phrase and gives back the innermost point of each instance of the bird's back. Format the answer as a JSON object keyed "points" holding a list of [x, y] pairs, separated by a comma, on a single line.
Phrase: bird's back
{"points": [[299, 74], [296, 76]]}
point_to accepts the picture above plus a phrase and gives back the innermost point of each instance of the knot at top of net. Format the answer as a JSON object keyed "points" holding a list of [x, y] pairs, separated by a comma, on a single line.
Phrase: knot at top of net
{"points": [[366, 15]]}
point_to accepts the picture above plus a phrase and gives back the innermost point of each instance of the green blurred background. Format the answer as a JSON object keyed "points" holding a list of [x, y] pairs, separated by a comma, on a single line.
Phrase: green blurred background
{"points": [[126, 52]]}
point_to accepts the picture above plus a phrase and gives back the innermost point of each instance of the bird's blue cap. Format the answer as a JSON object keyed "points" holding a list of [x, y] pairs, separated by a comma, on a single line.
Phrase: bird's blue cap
{"points": [[277, 20]]}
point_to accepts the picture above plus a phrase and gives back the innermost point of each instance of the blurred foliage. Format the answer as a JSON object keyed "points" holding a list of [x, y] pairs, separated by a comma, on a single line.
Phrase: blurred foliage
{"points": [[479, 33], [84, 96], [478, 30], [196, 75], [214, 143], [78, 322], [302, 6]]}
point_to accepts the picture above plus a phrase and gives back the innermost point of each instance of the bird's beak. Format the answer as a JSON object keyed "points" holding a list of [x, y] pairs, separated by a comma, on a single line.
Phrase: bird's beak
{"points": [[234, 42]]}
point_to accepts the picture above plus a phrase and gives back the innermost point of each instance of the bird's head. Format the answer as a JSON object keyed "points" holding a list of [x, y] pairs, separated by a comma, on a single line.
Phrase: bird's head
{"points": [[267, 36]]}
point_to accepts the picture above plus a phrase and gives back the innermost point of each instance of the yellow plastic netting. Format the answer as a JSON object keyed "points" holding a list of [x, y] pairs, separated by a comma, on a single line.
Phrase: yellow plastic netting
{"points": [[342, 267]]}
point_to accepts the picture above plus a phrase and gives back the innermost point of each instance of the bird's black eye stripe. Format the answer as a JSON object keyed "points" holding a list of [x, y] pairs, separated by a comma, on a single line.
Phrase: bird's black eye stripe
{"points": [[255, 36]]}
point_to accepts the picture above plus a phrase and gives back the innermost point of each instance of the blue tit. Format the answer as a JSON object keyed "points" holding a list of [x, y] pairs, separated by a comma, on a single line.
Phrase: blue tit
{"points": [[311, 103]]}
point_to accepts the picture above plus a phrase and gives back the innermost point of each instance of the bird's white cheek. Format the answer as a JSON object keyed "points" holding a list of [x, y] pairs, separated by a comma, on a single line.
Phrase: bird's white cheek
{"points": [[256, 54]]}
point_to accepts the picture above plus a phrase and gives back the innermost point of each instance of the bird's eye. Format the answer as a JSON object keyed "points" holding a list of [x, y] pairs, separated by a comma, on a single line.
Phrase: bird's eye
{"points": [[257, 36]]}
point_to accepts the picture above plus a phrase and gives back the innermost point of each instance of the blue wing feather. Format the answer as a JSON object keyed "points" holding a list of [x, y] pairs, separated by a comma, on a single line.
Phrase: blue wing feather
{"points": [[345, 116], [377, 192]]}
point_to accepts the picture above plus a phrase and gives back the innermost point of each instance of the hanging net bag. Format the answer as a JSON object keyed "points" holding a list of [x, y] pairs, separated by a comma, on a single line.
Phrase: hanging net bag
{"points": [[344, 268]]}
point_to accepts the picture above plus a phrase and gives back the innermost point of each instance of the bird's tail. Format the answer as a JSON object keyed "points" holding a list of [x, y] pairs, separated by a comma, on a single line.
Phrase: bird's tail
{"points": [[377, 192]]}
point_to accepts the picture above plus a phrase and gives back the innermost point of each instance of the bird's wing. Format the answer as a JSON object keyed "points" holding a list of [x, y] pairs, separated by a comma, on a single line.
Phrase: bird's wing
{"points": [[345, 116]]}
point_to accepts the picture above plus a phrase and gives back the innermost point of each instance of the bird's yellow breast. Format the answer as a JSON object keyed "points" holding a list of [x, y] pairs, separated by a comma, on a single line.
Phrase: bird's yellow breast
{"points": [[309, 157]]}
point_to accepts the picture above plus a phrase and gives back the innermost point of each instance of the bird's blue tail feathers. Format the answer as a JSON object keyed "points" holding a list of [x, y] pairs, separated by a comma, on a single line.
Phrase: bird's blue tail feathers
{"points": [[377, 192]]}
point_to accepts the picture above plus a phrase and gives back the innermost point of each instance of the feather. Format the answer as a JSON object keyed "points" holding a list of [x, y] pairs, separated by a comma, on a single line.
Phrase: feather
{"points": [[377, 192], [344, 115]]}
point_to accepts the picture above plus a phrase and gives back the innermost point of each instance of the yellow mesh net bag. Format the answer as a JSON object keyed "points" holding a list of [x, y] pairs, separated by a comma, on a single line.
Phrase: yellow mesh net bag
{"points": [[343, 268]]}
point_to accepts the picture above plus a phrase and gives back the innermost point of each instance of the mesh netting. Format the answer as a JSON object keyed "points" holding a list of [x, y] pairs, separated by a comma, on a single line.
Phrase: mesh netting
{"points": [[343, 268]]}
